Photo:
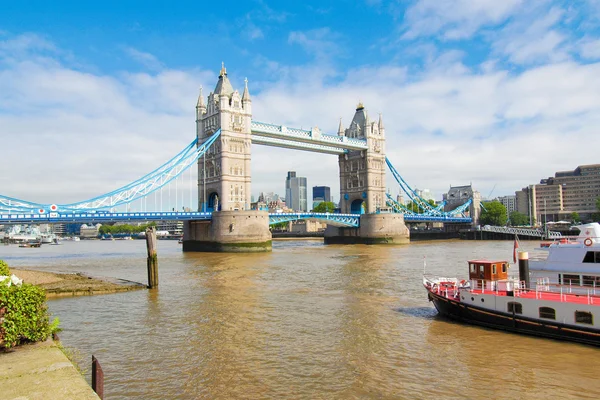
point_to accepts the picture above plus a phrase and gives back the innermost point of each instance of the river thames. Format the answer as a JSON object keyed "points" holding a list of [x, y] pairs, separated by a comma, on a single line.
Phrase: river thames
{"points": [[307, 321]]}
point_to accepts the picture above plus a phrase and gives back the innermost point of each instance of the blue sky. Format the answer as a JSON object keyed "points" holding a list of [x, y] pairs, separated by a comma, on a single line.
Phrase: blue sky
{"points": [[497, 93]]}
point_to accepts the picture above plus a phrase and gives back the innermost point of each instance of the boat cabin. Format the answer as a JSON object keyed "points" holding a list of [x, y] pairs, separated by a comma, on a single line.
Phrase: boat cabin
{"points": [[485, 270]]}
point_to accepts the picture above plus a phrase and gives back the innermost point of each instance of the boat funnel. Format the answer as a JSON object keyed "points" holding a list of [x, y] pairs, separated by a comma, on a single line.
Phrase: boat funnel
{"points": [[524, 268]]}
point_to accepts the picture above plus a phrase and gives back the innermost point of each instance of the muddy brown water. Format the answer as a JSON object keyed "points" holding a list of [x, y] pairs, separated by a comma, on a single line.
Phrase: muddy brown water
{"points": [[307, 321]]}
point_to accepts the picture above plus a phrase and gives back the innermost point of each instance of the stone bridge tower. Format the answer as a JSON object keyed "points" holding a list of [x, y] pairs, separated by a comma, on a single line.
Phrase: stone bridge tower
{"points": [[224, 175], [362, 172]]}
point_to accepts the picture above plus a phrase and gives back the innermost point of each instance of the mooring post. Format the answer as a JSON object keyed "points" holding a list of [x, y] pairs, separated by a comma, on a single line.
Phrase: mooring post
{"points": [[152, 257], [97, 378]]}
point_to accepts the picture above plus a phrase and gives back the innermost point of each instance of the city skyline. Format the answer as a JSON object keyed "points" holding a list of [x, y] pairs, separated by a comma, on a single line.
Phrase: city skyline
{"points": [[497, 94]]}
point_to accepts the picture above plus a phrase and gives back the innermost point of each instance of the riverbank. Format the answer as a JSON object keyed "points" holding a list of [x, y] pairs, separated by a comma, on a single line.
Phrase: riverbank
{"points": [[41, 371], [76, 284]]}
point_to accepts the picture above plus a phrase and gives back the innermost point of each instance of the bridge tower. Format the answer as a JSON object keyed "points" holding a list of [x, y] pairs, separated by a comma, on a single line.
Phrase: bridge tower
{"points": [[362, 172], [224, 177], [362, 188], [224, 174]]}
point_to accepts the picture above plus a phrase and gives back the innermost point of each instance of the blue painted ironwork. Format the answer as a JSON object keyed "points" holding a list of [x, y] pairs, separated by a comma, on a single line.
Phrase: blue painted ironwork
{"points": [[139, 188], [352, 220], [101, 216], [428, 212], [312, 140]]}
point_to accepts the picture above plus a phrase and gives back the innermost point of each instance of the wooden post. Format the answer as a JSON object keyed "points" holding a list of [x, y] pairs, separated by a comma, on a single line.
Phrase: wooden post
{"points": [[97, 378], [152, 257]]}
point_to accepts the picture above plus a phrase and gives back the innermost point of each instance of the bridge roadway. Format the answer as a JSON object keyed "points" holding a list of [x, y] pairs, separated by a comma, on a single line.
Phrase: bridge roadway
{"points": [[350, 220]]}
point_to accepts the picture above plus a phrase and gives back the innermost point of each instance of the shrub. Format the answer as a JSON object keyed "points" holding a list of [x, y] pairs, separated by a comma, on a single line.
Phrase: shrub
{"points": [[24, 315], [4, 268]]}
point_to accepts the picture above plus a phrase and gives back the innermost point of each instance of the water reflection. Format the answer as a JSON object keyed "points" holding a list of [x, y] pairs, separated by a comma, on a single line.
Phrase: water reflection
{"points": [[305, 321]]}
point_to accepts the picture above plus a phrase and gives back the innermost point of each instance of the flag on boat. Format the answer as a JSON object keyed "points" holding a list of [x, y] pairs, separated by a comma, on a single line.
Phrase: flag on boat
{"points": [[515, 249]]}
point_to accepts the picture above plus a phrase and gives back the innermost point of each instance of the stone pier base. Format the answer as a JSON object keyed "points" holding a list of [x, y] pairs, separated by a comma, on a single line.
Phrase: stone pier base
{"points": [[374, 229], [229, 232]]}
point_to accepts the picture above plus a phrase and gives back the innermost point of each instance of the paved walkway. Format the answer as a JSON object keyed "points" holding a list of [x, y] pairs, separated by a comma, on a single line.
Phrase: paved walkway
{"points": [[41, 371]]}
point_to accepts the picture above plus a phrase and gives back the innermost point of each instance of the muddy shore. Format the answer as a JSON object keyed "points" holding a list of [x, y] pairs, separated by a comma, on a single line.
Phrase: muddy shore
{"points": [[76, 284]]}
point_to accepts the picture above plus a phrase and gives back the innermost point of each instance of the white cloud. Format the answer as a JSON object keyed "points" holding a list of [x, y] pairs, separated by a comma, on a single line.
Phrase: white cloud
{"points": [[589, 48], [455, 19], [72, 134], [533, 37], [148, 60], [322, 42]]}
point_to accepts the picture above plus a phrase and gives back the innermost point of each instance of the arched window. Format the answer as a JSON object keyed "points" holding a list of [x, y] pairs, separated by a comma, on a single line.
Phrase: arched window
{"points": [[547, 313], [514, 307], [584, 317]]}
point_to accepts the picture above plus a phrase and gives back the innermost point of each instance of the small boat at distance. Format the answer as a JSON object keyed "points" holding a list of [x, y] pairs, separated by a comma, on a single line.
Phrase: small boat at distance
{"points": [[31, 244], [490, 298]]}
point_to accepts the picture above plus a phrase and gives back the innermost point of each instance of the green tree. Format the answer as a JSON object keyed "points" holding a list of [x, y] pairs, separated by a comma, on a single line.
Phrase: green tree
{"points": [[324, 207], [414, 207], [518, 219], [494, 213], [575, 217]]}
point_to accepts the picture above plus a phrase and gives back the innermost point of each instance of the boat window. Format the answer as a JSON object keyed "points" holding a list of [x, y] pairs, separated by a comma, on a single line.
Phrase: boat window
{"points": [[503, 267], [570, 279], [589, 257], [514, 307], [494, 269], [589, 280], [584, 317], [547, 312], [472, 267]]}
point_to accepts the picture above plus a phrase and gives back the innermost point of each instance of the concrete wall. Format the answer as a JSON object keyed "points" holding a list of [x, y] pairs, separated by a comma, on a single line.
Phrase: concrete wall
{"points": [[229, 231], [374, 229]]}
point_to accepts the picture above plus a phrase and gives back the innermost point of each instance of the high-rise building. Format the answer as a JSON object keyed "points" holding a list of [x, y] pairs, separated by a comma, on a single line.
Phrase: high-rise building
{"points": [[558, 197], [321, 193], [510, 202], [295, 192]]}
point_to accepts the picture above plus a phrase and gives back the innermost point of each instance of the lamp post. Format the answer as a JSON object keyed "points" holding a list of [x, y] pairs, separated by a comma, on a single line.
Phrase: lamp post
{"points": [[545, 221]]}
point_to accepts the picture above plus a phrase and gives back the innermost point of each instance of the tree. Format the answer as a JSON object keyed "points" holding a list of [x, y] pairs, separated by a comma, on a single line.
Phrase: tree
{"points": [[575, 217], [518, 219], [324, 207], [414, 207], [494, 213]]}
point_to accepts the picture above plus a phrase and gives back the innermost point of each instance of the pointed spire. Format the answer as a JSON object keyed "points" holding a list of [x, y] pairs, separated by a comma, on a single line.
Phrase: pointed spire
{"points": [[341, 128], [246, 94], [200, 103], [380, 122], [223, 85]]}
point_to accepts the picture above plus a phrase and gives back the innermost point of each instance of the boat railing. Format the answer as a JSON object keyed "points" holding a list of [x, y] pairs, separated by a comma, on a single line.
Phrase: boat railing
{"points": [[545, 290]]}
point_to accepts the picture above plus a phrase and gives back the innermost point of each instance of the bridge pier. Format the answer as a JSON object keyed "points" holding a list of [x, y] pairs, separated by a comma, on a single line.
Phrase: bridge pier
{"points": [[229, 232], [374, 229]]}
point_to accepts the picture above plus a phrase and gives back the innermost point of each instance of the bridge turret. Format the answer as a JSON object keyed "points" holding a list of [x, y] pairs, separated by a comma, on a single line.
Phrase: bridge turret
{"points": [[200, 106], [341, 129], [362, 173], [227, 167]]}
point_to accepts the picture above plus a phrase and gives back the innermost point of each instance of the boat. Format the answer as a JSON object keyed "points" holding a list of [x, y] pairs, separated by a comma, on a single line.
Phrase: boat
{"points": [[568, 309], [55, 242], [31, 244], [48, 238], [570, 260]]}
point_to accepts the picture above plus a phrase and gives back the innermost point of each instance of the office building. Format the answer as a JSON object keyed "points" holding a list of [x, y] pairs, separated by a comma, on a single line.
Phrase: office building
{"points": [[321, 193], [557, 198], [510, 202], [295, 192]]}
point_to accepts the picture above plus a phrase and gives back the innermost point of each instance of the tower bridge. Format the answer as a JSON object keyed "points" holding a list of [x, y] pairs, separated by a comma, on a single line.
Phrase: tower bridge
{"points": [[221, 151]]}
